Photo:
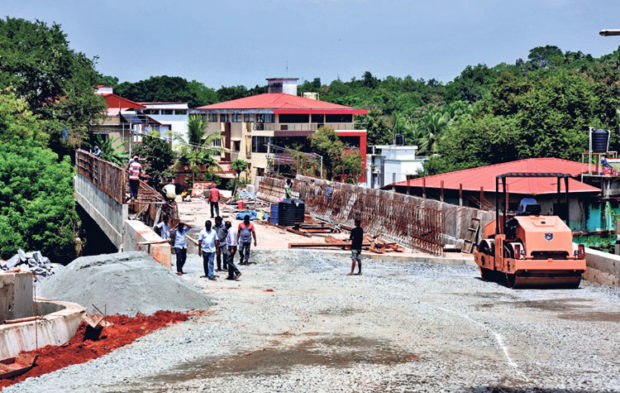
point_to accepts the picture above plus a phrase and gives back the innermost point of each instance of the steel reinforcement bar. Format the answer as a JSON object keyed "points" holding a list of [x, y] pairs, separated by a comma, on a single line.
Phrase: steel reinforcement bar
{"points": [[381, 214]]}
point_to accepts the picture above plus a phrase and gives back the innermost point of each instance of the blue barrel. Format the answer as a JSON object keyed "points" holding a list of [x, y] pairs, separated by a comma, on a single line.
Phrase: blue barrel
{"points": [[273, 217], [600, 140]]}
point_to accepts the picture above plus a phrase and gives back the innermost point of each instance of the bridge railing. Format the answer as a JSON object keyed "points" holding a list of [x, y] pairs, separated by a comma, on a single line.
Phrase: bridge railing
{"points": [[107, 176]]}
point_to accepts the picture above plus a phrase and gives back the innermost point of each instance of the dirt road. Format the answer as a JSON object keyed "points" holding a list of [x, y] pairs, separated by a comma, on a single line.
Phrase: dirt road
{"points": [[296, 323]]}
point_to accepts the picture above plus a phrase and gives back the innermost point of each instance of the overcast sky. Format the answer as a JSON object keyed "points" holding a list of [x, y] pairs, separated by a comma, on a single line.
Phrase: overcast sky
{"points": [[245, 41]]}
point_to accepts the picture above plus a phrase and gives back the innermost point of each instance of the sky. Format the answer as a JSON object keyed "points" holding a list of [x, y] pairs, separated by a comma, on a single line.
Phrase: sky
{"points": [[242, 42]]}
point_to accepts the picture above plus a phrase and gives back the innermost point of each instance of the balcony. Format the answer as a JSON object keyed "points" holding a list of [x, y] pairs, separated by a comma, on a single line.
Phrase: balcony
{"points": [[300, 126]]}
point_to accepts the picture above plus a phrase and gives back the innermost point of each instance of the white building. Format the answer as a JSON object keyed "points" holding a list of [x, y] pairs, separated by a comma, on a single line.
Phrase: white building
{"points": [[391, 163], [173, 114]]}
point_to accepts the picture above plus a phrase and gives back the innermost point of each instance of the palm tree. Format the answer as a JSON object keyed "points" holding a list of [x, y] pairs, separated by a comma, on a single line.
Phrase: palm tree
{"points": [[238, 166], [433, 125], [199, 149]]}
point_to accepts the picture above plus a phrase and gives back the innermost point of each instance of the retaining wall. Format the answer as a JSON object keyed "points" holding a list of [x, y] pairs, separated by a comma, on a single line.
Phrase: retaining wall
{"points": [[105, 210], [55, 328], [139, 237], [602, 267]]}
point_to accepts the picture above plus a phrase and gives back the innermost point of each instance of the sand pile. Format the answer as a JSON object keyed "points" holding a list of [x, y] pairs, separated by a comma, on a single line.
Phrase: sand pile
{"points": [[125, 283]]}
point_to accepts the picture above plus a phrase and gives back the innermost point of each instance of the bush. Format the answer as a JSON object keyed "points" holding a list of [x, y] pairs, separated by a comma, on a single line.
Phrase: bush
{"points": [[37, 209]]}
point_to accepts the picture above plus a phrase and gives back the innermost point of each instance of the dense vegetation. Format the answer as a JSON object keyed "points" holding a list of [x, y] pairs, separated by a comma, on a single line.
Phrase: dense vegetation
{"points": [[539, 107], [47, 102]]}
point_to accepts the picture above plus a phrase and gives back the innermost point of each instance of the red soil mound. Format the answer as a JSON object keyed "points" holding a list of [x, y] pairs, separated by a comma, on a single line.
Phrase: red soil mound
{"points": [[80, 350]]}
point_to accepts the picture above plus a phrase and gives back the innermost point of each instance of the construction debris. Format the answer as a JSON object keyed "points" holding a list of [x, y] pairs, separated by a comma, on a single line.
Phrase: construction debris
{"points": [[33, 262]]}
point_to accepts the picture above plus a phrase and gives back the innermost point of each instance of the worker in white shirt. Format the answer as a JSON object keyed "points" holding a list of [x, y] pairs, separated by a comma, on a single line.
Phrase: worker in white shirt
{"points": [[170, 190]]}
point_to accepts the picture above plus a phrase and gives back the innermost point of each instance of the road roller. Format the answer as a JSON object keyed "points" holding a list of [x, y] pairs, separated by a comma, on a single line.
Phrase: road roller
{"points": [[524, 249]]}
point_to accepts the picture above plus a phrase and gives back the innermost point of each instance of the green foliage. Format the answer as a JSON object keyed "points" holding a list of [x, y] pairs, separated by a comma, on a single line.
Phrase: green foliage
{"points": [[167, 88], [239, 166], [159, 158], [55, 81], [326, 143], [351, 164], [112, 149], [36, 202], [18, 124]]}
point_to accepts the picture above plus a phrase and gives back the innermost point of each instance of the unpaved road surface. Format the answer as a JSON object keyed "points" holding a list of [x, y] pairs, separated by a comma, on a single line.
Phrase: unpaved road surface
{"points": [[296, 323]]}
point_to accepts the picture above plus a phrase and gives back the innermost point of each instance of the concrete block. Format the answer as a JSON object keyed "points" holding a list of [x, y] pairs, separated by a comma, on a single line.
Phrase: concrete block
{"points": [[16, 296], [139, 237], [602, 267]]}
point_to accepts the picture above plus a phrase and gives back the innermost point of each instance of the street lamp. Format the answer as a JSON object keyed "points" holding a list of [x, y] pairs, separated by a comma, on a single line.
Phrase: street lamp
{"points": [[608, 32]]}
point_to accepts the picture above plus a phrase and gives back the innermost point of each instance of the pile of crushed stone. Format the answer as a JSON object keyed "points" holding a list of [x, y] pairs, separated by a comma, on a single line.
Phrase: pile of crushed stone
{"points": [[125, 283]]}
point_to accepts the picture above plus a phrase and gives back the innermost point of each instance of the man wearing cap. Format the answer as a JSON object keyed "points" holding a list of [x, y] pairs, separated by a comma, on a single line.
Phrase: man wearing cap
{"points": [[135, 170]]}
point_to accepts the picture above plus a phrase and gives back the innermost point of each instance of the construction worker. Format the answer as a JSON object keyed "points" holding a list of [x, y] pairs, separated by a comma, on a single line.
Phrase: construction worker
{"points": [[164, 228], [135, 171], [231, 250], [170, 190], [214, 200], [357, 238], [245, 232], [288, 189], [207, 246], [180, 244], [221, 231]]}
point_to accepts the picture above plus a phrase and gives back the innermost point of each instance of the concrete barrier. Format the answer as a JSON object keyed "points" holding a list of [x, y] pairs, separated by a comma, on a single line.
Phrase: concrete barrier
{"points": [[54, 328], [602, 267], [139, 237]]}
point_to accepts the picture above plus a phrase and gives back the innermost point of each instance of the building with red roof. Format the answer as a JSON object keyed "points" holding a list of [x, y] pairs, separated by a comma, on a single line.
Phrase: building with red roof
{"points": [[125, 119], [279, 117], [475, 187]]}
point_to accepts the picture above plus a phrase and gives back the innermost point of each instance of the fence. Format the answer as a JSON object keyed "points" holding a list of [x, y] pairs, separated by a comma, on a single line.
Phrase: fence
{"points": [[105, 175], [112, 179]]}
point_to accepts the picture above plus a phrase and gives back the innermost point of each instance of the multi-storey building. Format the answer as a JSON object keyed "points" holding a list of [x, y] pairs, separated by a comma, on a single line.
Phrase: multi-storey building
{"points": [[279, 117]]}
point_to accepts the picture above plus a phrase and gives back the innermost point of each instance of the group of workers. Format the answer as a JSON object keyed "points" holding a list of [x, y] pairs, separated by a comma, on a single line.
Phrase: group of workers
{"points": [[216, 243]]}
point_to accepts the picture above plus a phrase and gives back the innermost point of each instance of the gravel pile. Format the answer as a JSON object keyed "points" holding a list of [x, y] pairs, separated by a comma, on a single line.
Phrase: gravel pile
{"points": [[295, 322], [123, 283]]}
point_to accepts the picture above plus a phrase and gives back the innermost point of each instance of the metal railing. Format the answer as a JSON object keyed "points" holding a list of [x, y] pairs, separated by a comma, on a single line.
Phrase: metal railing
{"points": [[300, 126], [105, 175]]}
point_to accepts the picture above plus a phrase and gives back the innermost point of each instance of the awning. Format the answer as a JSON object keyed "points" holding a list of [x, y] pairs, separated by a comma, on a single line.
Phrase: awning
{"points": [[131, 118]]}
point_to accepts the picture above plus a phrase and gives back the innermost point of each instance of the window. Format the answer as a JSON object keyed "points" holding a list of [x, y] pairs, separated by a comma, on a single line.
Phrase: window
{"points": [[236, 145], [259, 144], [236, 117], [262, 118], [152, 111], [167, 112], [213, 118], [223, 118], [248, 117], [318, 119], [294, 118], [180, 112], [338, 118], [217, 143]]}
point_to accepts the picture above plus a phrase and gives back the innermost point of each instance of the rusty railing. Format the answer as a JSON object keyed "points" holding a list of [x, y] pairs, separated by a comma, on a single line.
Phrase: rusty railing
{"points": [[105, 175], [383, 214]]}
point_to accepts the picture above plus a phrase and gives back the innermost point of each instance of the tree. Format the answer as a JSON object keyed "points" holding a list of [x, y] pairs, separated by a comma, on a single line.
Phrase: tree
{"points": [[238, 166], [111, 150], [55, 81], [167, 88], [158, 155], [36, 188], [199, 149], [326, 143], [352, 165]]}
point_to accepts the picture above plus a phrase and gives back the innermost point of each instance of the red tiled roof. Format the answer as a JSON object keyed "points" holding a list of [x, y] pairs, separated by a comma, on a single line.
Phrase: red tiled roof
{"points": [[115, 101], [284, 103], [474, 178]]}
